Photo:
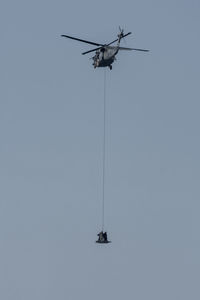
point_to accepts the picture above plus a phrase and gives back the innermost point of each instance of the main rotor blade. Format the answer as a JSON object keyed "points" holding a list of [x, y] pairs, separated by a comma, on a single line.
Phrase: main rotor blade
{"points": [[126, 34], [117, 39], [91, 50], [84, 41], [112, 42], [135, 49]]}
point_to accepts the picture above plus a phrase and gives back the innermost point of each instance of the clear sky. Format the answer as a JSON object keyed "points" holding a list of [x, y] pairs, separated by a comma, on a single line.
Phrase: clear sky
{"points": [[51, 118]]}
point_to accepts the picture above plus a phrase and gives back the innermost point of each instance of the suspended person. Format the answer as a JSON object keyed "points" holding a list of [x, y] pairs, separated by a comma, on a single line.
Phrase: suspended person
{"points": [[103, 239]]}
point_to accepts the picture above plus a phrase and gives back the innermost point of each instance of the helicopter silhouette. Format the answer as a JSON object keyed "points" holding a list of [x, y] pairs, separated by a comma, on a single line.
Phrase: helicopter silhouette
{"points": [[105, 53]]}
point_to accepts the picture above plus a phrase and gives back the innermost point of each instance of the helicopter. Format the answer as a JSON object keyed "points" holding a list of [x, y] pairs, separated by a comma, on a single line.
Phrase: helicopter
{"points": [[105, 53]]}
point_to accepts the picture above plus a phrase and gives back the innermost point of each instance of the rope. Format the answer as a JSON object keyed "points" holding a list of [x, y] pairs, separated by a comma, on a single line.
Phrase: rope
{"points": [[104, 149]]}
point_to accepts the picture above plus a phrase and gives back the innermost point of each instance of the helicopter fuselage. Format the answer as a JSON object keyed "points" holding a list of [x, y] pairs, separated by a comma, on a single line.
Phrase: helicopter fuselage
{"points": [[105, 57]]}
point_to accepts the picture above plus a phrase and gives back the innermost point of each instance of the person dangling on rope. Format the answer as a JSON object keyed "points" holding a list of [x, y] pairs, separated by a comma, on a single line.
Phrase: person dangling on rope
{"points": [[105, 236], [102, 237]]}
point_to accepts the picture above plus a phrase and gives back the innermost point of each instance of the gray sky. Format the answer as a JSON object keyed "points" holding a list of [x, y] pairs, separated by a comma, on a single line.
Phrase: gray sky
{"points": [[51, 114]]}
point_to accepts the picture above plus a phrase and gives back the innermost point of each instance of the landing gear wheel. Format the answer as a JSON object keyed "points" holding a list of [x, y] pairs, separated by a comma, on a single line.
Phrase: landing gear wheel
{"points": [[110, 67]]}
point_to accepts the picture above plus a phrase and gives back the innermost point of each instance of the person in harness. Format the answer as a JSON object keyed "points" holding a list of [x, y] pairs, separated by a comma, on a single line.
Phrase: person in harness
{"points": [[103, 239]]}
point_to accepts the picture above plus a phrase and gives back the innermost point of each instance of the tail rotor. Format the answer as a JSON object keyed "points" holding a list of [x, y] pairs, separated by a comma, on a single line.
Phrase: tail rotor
{"points": [[121, 34]]}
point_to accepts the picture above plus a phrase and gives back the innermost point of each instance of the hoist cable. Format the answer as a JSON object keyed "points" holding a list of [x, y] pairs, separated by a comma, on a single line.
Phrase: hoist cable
{"points": [[104, 149]]}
